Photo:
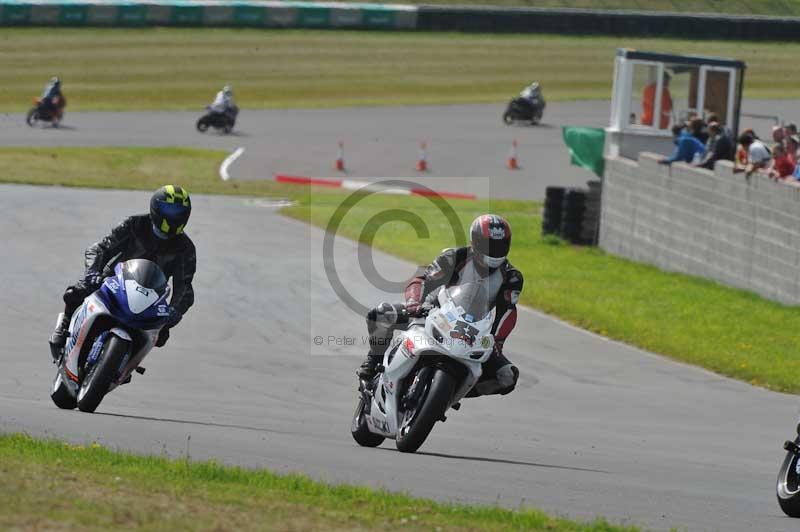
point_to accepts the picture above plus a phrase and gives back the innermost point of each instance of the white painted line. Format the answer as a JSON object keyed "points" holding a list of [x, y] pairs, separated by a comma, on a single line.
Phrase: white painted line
{"points": [[270, 203], [368, 186], [223, 169]]}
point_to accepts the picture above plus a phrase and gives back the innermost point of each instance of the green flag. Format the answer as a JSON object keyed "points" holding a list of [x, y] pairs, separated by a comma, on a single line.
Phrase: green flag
{"points": [[586, 147]]}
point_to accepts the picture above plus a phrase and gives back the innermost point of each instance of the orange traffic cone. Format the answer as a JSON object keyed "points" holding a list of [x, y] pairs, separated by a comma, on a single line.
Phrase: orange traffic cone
{"points": [[340, 158], [422, 162], [512, 157]]}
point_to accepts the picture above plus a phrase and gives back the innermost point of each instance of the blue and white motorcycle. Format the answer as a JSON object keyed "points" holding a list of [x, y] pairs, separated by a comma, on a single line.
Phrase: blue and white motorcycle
{"points": [[110, 334]]}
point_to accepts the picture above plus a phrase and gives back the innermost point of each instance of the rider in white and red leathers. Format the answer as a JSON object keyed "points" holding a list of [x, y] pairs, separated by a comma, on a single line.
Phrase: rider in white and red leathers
{"points": [[223, 103], [485, 258]]}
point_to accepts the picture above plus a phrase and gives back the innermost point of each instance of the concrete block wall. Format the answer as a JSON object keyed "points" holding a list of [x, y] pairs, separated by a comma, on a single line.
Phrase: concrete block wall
{"points": [[713, 224]]}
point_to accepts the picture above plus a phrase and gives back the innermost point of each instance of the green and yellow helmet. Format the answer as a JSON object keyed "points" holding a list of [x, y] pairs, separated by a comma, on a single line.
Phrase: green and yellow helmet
{"points": [[170, 208]]}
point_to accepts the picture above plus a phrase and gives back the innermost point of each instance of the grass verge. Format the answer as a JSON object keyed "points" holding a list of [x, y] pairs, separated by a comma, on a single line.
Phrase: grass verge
{"points": [[174, 68], [128, 168], [728, 331], [50, 484]]}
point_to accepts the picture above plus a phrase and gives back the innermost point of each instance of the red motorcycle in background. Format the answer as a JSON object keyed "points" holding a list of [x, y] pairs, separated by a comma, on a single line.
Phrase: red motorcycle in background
{"points": [[42, 112]]}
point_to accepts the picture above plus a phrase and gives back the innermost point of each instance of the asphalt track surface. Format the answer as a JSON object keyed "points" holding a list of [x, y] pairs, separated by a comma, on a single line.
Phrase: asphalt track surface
{"points": [[594, 428]]}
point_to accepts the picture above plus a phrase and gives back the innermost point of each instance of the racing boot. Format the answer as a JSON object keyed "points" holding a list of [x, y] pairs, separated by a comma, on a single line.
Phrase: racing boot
{"points": [[59, 337]]}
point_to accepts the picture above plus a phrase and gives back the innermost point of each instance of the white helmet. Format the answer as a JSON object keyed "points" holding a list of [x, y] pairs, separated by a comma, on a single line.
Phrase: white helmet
{"points": [[227, 91]]}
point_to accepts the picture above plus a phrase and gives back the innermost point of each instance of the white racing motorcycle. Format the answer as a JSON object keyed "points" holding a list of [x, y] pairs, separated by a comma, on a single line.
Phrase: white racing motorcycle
{"points": [[110, 334], [428, 369]]}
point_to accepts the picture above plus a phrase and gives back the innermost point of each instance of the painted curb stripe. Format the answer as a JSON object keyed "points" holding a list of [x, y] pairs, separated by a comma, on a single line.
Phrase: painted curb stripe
{"points": [[298, 180], [368, 185]]}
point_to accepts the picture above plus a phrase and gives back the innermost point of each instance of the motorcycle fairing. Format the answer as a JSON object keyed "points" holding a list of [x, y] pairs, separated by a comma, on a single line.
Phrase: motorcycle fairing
{"points": [[114, 304], [399, 361]]}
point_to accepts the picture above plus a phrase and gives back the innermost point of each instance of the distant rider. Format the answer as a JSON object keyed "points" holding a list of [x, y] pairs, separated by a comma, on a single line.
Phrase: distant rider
{"points": [[532, 92], [224, 104], [52, 99], [484, 258], [159, 237]]}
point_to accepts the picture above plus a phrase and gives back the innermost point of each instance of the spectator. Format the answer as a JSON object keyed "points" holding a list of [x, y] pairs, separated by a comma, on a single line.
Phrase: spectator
{"points": [[758, 155], [777, 134], [782, 166], [649, 102], [719, 146], [796, 173], [741, 152], [792, 144], [697, 127], [789, 130], [687, 147]]}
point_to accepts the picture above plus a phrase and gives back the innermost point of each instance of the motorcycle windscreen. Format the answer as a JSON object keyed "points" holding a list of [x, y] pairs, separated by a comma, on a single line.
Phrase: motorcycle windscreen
{"points": [[137, 296], [146, 274], [472, 300]]}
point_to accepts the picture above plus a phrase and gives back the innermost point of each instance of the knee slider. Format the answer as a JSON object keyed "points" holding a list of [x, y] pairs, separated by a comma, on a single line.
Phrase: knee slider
{"points": [[507, 378]]}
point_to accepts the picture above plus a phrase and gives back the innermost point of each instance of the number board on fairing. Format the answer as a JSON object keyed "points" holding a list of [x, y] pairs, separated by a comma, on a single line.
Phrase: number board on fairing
{"points": [[465, 332]]}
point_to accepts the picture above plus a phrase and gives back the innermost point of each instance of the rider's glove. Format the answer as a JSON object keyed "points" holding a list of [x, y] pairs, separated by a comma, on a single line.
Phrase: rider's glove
{"points": [[413, 308], [92, 279], [417, 310]]}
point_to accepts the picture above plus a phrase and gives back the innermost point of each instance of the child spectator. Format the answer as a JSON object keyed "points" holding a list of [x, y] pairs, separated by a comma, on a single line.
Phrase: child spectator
{"points": [[782, 166]]}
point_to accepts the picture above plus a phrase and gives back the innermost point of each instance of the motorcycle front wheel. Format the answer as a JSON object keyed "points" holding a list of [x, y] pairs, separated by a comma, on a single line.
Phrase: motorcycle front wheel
{"points": [[507, 118], [359, 429], [202, 125], [60, 394], [418, 421], [32, 117], [788, 489], [97, 381]]}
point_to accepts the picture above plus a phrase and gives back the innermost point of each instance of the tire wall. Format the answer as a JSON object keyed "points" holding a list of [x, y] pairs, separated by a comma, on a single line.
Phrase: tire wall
{"points": [[289, 14], [712, 224]]}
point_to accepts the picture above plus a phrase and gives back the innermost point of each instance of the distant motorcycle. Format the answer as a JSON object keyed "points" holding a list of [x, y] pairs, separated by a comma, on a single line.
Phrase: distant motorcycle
{"points": [[220, 121], [429, 368], [40, 112], [527, 107], [110, 334]]}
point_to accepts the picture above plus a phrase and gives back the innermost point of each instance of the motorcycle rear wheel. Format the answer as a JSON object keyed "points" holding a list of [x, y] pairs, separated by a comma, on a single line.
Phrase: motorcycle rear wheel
{"points": [[32, 117], [359, 429], [417, 425], [60, 393], [97, 381]]}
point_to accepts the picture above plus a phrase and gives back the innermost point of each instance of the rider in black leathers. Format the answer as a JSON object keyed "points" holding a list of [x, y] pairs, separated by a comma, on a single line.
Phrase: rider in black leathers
{"points": [[158, 237], [52, 98], [485, 258]]}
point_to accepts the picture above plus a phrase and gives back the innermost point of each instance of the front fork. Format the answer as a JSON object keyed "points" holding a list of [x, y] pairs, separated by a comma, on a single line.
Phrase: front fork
{"points": [[57, 352]]}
